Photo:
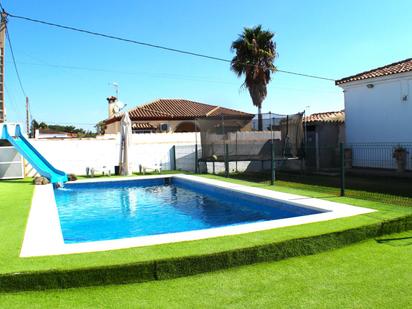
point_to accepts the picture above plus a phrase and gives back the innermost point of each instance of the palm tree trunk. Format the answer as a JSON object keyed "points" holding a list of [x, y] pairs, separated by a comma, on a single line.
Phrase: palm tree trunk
{"points": [[260, 120]]}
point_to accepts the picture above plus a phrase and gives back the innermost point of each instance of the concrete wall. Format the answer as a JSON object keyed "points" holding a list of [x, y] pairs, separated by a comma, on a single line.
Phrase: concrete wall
{"points": [[74, 155]]}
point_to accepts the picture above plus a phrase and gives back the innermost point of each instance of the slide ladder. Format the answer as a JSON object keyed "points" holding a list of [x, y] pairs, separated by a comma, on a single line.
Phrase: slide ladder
{"points": [[39, 163]]}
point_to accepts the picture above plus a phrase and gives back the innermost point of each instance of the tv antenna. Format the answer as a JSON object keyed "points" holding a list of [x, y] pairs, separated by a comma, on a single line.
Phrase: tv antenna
{"points": [[116, 88]]}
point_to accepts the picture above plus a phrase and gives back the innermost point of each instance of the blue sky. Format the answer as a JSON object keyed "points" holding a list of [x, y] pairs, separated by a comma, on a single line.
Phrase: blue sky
{"points": [[326, 38]]}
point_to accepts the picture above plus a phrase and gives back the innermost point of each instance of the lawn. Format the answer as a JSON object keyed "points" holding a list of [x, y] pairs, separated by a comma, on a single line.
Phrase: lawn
{"points": [[186, 258], [378, 188], [370, 274]]}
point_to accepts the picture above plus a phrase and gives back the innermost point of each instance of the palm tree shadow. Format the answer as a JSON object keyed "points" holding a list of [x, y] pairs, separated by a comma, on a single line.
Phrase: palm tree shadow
{"points": [[396, 242]]}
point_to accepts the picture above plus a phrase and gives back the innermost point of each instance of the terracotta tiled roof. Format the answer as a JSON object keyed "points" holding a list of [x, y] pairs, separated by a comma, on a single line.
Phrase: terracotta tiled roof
{"points": [[177, 109], [143, 126], [390, 69], [144, 113], [338, 117]]}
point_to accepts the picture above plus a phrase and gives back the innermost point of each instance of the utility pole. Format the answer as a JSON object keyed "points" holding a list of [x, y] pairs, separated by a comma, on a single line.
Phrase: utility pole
{"points": [[2, 47], [27, 116]]}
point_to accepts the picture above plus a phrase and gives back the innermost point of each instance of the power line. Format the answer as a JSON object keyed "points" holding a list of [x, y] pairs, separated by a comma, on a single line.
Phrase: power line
{"points": [[151, 74], [118, 38], [13, 105], [305, 75], [14, 62], [191, 78], [108, 36]]}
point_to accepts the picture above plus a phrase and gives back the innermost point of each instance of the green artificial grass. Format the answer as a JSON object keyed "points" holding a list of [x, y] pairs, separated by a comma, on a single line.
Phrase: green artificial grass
{"points": [[15, 202], [396, 191], [371, 274], [185, 258]]}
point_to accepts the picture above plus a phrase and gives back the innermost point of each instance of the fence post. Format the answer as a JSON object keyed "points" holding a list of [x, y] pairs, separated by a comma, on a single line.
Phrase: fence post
{"points": [[236, 151], [342, 169], [226, 160], [272, 158], [196, 150], [174, 157], [196, 159]]}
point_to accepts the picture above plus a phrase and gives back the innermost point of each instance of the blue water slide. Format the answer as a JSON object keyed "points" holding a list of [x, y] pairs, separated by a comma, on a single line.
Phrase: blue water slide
{"points": [[39, 163]]}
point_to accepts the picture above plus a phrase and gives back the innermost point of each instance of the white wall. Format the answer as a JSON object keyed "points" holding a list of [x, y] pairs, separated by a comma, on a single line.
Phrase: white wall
{"points": [[74, 155], [379, 114], [378, 119]]}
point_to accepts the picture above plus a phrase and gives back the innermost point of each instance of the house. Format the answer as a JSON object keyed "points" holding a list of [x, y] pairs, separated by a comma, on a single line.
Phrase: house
{"points": [[378, 108], [378, 104], [170, 115], [324, 132]]}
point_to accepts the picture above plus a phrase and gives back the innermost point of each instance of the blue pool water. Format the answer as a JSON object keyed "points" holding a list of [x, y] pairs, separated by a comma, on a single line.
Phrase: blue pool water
{"points": [[122, 209]]}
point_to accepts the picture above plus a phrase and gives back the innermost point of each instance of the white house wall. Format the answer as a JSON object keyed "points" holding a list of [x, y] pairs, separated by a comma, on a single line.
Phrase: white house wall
{"points": [[378, 119], [379, 114]]}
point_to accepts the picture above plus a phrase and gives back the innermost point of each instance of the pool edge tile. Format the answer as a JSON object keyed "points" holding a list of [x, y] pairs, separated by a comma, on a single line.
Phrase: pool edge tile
{"points": [[41, 242]]}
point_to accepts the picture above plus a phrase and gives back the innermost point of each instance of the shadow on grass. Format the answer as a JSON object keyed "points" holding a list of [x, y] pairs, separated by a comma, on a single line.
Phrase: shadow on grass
{"points": [[17, 181], [381, 185], [395, 242], [390, 191], [326, 197]]}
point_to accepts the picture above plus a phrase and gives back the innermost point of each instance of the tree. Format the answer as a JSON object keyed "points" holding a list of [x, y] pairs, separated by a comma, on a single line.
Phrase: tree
{"points": [[255, 55], [100, 128], [33, 127], [56, 127]]}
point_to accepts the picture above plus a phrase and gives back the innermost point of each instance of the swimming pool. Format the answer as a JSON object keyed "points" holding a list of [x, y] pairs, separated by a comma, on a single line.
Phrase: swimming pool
{"points": [[94, 215], [130, 208]]}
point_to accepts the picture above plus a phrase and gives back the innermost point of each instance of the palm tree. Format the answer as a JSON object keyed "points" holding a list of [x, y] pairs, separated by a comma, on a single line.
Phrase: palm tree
{"points": [[255, 54]]}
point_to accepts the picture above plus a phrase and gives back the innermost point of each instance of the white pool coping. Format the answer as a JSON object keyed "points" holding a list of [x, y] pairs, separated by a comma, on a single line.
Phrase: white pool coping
{"points": [[44, 237]]}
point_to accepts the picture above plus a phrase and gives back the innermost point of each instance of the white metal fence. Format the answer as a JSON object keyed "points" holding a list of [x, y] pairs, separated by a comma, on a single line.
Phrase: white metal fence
{"points": [[379, 155]]}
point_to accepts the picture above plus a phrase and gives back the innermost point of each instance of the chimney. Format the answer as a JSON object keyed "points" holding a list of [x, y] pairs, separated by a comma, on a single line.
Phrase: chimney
{"points": [[112, 101]]}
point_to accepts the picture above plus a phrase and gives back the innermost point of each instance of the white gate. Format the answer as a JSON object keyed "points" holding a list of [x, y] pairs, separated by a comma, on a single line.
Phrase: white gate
{"points": [[11, 163]]}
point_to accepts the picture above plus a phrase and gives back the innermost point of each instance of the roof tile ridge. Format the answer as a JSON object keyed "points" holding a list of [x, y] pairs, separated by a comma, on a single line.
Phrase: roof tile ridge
{"points": [[370, 71], [212, 110]]}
